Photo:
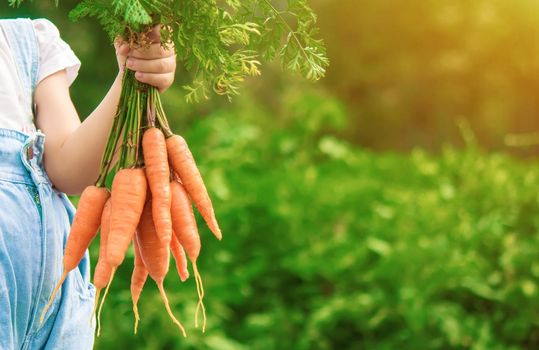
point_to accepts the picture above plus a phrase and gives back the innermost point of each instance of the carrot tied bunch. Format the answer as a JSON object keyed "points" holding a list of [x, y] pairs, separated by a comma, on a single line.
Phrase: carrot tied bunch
{"points": [[149, 203]]}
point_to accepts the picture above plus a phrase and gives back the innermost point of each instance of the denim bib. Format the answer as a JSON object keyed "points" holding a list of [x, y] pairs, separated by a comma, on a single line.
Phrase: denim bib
{"points": [[35, 220]]}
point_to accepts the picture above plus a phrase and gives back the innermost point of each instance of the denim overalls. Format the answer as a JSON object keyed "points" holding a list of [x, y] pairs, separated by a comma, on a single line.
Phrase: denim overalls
{"points": [[34, 223]]}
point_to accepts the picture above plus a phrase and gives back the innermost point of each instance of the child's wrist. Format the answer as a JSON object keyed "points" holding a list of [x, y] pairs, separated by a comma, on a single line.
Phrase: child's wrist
{"points": [[117, 85]]}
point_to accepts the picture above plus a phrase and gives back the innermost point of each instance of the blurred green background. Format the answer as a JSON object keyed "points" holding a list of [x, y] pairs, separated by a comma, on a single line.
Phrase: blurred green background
{"points": [[391, 206]]}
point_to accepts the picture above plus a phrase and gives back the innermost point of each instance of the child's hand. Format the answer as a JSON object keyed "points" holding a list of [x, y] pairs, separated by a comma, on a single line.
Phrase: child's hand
{"points": [[153, 65]]}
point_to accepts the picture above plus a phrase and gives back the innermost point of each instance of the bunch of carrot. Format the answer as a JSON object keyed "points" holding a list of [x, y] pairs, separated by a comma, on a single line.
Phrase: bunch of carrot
{"points": [[149, 204]]}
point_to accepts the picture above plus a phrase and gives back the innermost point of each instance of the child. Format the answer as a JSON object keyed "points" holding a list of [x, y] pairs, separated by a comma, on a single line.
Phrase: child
{"points": [[36, 69]]}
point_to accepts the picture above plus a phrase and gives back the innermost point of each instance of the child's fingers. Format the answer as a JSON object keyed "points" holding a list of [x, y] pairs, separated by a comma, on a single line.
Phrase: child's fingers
{"points": [[160, 81], [152, 52], [159, 65]]}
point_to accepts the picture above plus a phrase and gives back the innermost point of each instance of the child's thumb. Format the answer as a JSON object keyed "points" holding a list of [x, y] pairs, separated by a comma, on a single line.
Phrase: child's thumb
{"points": [[122, 50]]}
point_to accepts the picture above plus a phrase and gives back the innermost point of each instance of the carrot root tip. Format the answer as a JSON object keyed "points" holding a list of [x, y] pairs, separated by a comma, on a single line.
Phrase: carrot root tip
{"points": [[103, 301], [218, 233], [184, 276], [137, 318], [49, 303], [167, 307], [96, 302], [200, 292]]}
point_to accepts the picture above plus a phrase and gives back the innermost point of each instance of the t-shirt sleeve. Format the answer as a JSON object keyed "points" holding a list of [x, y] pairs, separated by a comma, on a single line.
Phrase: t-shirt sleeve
{"points": [[54, 53]]}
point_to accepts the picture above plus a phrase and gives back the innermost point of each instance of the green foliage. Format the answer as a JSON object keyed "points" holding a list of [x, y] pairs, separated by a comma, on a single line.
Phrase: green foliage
{"points": [[301, 52], [327, 246], [103, 11], [220, 43]]}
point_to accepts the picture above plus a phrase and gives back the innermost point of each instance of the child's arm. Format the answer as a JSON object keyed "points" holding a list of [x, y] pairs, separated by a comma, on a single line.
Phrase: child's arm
{"points": [[73, 150]]}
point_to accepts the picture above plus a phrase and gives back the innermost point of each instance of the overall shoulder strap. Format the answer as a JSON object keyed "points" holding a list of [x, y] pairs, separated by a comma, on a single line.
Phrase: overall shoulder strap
{"points": [[23, 42]]}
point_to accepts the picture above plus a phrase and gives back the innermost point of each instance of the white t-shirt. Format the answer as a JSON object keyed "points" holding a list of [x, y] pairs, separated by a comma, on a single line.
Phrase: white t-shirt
{"points": [[54, 55]]}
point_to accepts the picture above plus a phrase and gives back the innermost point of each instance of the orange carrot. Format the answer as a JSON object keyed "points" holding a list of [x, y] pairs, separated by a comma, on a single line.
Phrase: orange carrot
{"points": [[158, 173], [138, 279], [155, 255], [183, 221], [184, 165], [179, 257], [103, 270], [83, 230], [185, 228], [128, 196]]}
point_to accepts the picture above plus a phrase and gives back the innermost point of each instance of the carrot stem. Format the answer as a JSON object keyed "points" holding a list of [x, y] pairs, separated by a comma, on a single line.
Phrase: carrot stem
{"points": [[151, 108], [114, 135], [161, 116]]}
